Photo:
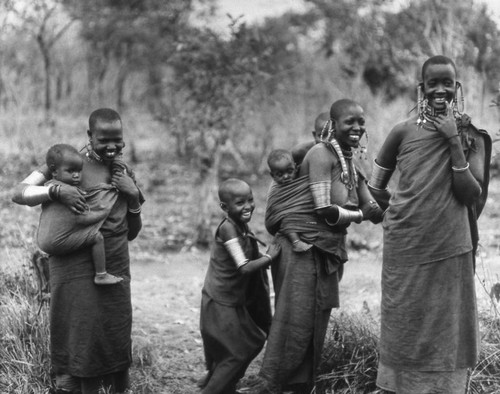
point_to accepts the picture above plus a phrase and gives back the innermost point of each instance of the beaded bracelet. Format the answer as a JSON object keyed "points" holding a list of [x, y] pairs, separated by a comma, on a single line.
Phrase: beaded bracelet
{"points": [[454, 135], [463, 169], [54, 192]]}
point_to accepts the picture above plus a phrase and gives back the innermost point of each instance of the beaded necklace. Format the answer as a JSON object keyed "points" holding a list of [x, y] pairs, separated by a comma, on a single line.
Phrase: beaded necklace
{"points": [[345, 176]]}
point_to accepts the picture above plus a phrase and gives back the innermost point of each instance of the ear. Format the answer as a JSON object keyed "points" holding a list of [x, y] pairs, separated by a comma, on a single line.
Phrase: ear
{"points": [[223, 206], [54, 173], [89, 133]]}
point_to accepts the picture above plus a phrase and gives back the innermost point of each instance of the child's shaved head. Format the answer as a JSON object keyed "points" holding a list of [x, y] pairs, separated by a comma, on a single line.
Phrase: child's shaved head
{"points": [[55, 154], [279, 154], [104, 115], [320, 121], [230, 187], [339, 106], [438, 59]]}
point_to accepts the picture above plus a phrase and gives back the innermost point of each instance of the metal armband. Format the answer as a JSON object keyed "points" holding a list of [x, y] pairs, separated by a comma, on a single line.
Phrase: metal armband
{"points": [[34, 195], [321, 194], [235, 250], [380, 177], [36, 178], [347, 216]]}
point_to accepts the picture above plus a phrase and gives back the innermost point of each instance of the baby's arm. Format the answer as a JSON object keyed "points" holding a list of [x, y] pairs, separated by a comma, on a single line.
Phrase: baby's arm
{"points": [[229, 235]]}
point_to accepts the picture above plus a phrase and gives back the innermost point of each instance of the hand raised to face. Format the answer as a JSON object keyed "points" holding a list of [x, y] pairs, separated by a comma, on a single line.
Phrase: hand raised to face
{"points": [[446, 123]]}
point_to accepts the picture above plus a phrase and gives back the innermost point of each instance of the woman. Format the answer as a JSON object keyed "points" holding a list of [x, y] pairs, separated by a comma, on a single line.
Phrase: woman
{"points": [[90, 326], [320, 204], [429, 330]]}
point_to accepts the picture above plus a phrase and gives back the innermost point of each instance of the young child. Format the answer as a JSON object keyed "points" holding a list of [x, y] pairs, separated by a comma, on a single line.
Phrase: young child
{"points": [[299, 151], [283, 170], [61, 231], [235, 307]]}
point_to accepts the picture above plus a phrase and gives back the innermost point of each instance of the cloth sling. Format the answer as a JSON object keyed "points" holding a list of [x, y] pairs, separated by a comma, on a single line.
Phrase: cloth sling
{"points": [[290, 207], [60, 231]]}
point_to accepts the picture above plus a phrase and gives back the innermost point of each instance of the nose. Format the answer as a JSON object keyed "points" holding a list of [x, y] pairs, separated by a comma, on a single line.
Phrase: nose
{"points": [[440, 88]]}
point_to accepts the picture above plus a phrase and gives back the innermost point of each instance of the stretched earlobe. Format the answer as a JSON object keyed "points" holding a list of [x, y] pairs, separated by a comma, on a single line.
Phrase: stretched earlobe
{"points": [[223, 206]]}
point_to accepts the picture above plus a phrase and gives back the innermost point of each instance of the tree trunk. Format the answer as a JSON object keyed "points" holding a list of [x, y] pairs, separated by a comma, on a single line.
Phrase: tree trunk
{"points": [[47, 65]]}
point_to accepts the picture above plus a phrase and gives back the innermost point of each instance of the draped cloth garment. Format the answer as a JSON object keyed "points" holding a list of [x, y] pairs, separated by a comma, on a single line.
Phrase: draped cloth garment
{"points": [[428, 311], [91, 325], [61, 231], [306, 285], [235, 315]]}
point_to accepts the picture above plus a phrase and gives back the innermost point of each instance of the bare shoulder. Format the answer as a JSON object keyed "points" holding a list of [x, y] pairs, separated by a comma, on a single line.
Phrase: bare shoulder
{"points": [[402, 129], [319, 156], [227, 231], [388, 153]]}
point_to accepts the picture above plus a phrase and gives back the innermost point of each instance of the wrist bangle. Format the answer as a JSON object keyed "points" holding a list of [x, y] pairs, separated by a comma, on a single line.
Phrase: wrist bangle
{"points": [[453, 136], [54, 191], [268, 256], [463, 169]]}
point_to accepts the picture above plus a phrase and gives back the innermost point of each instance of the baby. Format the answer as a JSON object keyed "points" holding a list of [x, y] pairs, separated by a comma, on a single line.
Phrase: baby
{"points": [[61, 231], [283, 170]]}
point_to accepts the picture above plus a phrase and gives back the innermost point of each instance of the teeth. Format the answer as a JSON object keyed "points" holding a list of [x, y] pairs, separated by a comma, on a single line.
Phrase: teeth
{"points": [[354, 137]]}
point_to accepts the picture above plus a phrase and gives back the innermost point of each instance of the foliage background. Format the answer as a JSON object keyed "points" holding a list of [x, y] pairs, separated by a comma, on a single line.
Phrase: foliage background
{"points": [[200, 103]]}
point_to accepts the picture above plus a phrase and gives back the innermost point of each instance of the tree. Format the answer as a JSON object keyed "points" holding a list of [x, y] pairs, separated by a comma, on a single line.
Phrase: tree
{"points": [[45, 21]]}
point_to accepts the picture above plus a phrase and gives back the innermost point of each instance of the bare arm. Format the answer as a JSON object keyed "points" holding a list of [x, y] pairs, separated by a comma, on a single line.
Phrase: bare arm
{"points": [[229, 235], [319, 166], [371, 210], [31, 191], [126, 185], [384, 166], [467, 175]]}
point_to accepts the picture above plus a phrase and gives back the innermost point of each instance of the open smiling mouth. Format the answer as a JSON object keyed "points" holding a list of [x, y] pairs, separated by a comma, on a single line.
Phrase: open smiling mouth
{"points": [[246, 215]]}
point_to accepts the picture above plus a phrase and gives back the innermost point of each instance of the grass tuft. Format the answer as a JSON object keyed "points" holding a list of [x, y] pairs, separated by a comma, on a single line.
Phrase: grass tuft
{"points": [[350, 355]]}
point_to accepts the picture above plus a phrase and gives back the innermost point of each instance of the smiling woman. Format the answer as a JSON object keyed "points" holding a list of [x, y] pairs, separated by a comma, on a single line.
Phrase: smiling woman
{"points": [[429, 331], [77, 327]]}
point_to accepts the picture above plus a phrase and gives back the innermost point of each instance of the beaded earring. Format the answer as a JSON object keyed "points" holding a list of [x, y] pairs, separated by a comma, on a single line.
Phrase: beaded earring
{"points": [[325, 131], [421, 103], [455, 105], [363, 150]]}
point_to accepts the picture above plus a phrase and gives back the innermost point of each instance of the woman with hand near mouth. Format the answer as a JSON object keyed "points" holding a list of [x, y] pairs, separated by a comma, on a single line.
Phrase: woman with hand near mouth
{"points": [[429, 329]]}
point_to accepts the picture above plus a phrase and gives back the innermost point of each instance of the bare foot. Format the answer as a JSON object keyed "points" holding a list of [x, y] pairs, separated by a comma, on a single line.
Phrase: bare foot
{"points": [[105, 279], [300, 246]]}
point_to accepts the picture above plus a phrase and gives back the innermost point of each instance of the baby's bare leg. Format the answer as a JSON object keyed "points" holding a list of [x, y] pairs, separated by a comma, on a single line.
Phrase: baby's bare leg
{"points": [[298, 245], [99, 256]]}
